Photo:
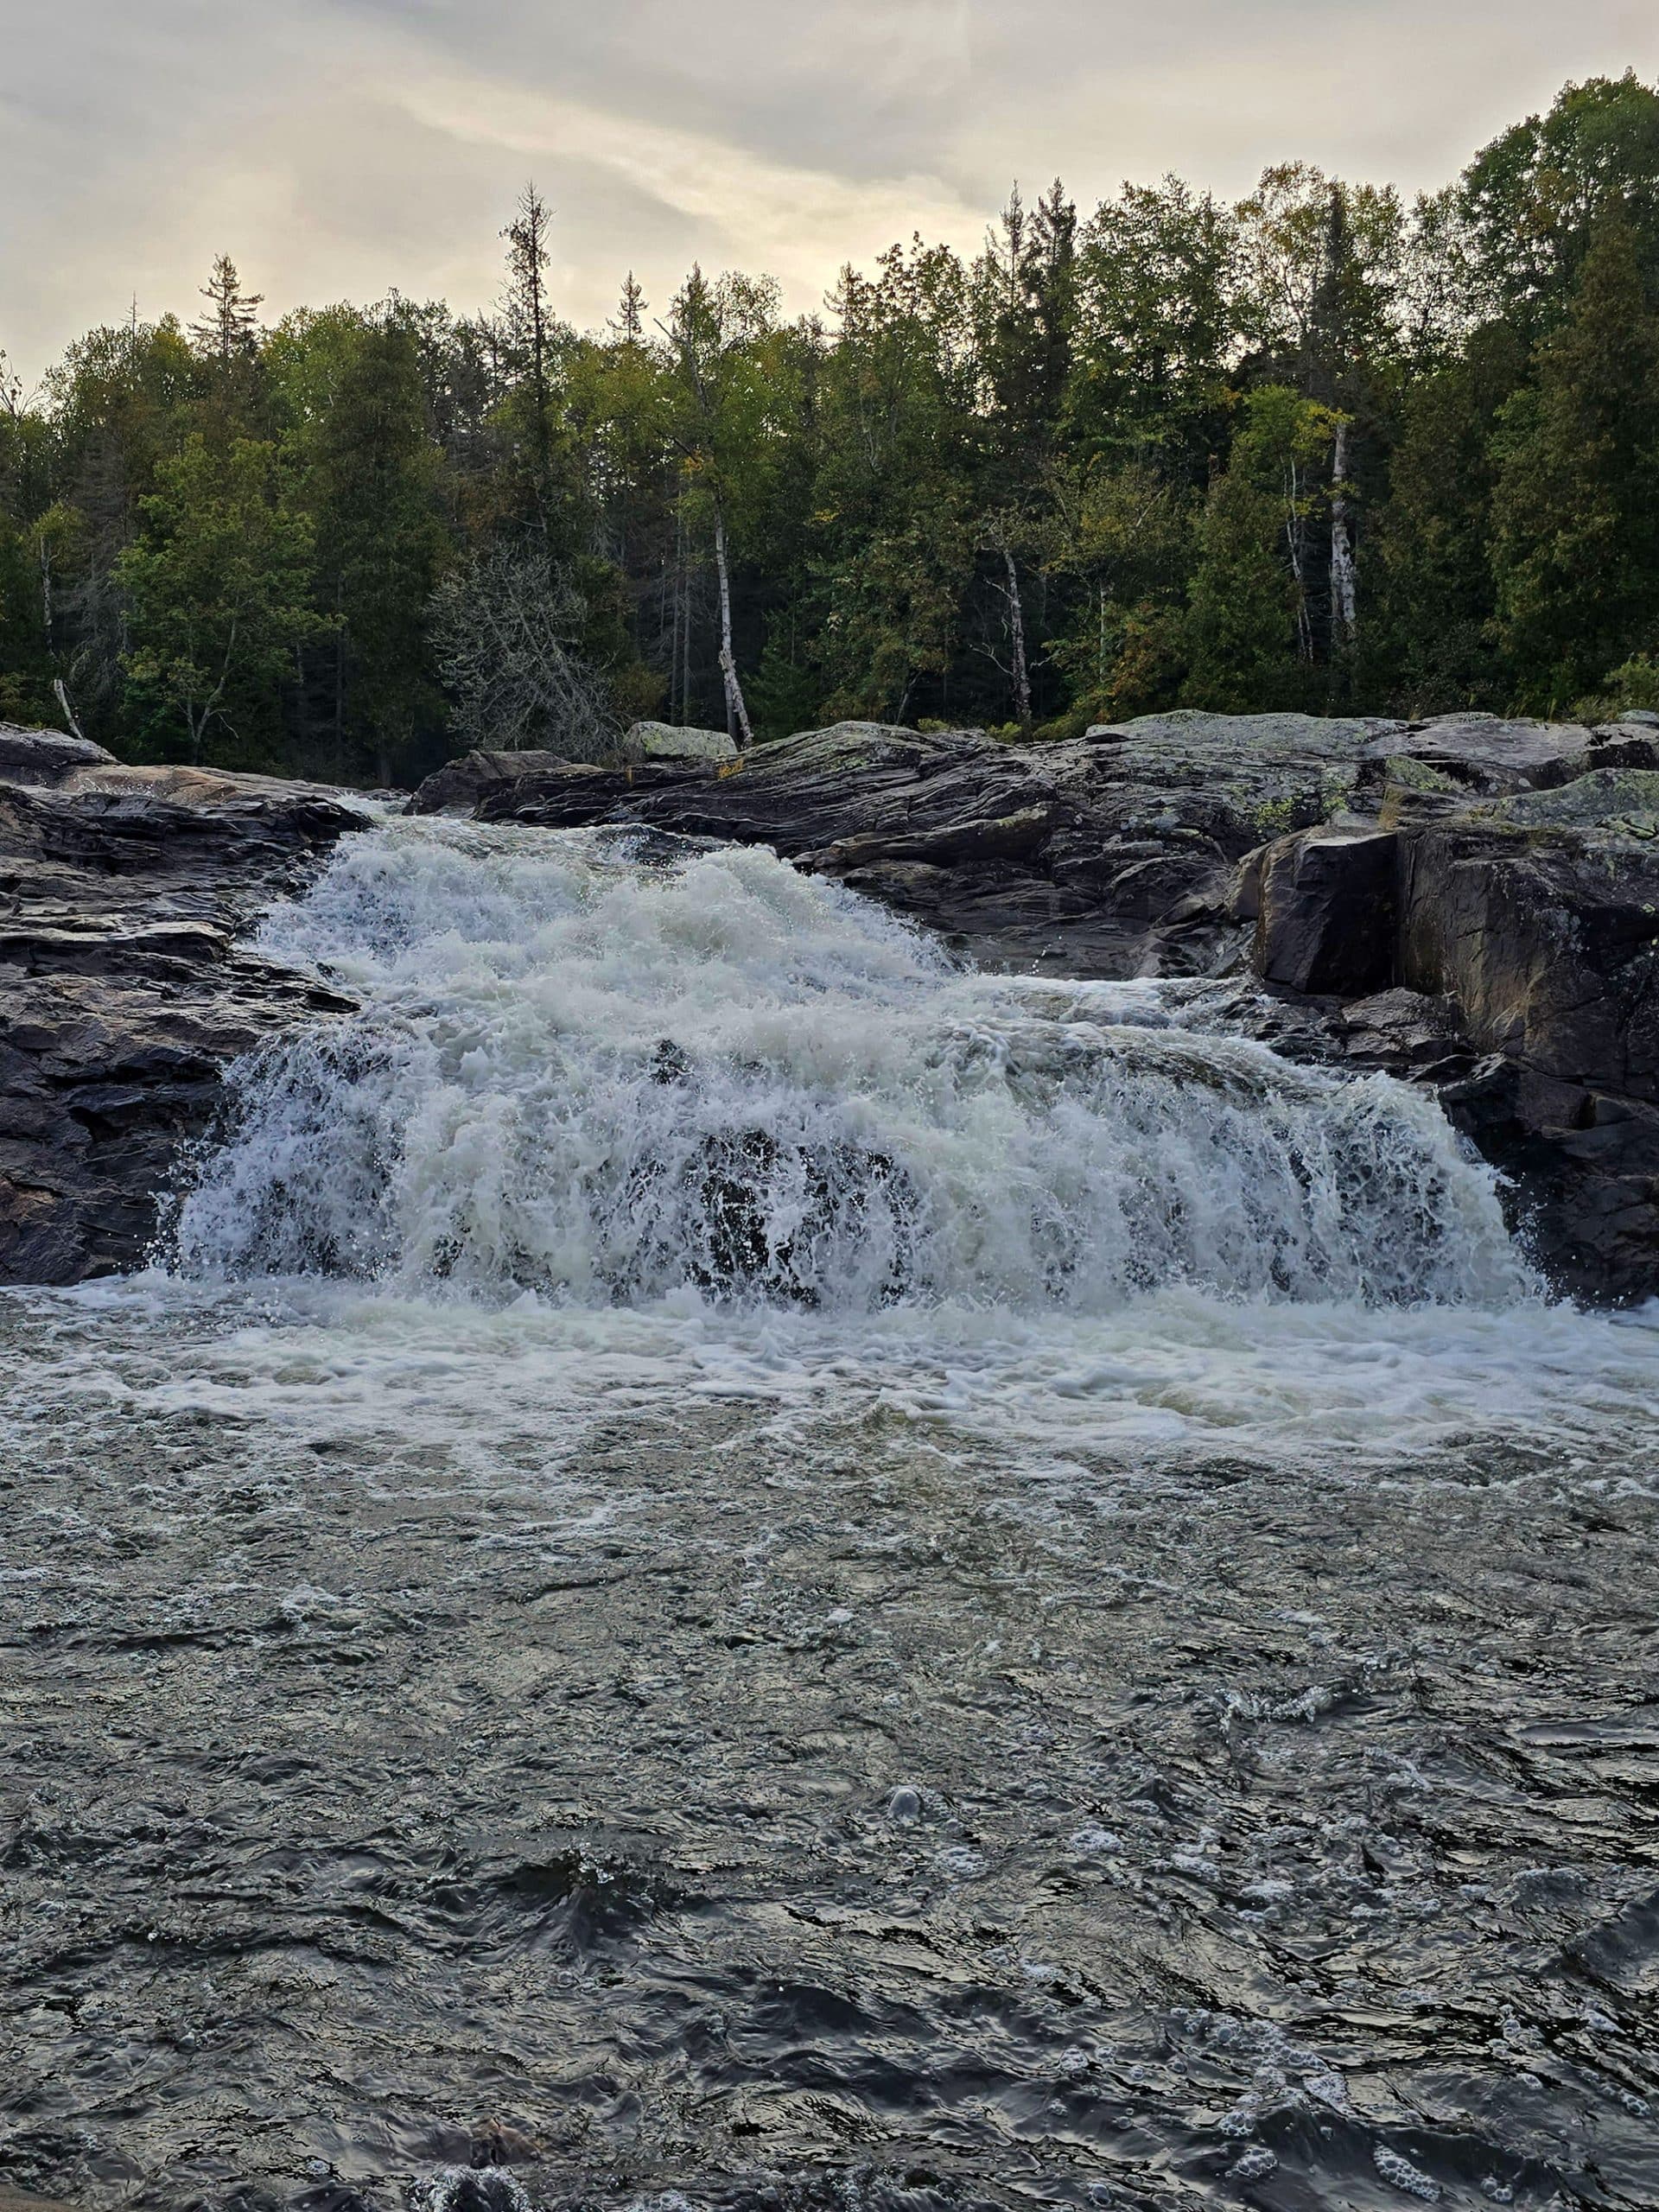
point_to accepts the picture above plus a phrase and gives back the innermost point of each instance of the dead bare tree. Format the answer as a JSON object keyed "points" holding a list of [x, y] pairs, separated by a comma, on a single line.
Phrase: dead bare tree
{"points": [[505, 628]]}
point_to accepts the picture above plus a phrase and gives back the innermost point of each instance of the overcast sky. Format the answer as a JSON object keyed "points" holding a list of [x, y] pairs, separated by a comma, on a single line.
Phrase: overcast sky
{"points": [[337, 148]]}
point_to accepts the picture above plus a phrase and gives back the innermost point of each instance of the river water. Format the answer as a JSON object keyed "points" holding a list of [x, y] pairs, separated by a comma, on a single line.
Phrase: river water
{"points": [[725, 1563]]}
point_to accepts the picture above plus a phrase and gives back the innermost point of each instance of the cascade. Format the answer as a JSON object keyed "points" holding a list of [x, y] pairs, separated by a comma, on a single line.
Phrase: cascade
{"points": [[609, 1067]]}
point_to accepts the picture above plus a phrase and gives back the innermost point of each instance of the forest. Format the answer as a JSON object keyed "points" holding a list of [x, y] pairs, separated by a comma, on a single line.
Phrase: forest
{"points": [[1324, 449]]}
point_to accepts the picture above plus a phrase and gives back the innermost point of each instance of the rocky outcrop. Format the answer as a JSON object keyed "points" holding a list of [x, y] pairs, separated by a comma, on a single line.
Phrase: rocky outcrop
{"points": [[1523, 933], [123, 992], [1075, 857], [1469, 902], [46, 756], [1480, 753], [462, 784]]}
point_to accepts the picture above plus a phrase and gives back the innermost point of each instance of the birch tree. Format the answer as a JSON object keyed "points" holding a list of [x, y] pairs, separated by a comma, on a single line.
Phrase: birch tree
{"points": [[717, 334]]}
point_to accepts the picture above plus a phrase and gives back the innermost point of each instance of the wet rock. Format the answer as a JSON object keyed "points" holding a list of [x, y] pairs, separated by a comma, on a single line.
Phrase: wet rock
{"points": [[1325, 912], [1401, 1028], [461, 784], [1529, 922], [46, 756], [1106, 855], [1548, 943], [758, 1206], [122, 993]]}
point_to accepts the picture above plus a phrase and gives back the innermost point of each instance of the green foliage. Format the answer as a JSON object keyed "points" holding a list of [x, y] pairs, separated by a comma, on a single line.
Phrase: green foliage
{"points": [[1632, 687], [217, 586], [1247, 640], [784, 693], [365, 476], [894, 608], [1532, 199], [1125, 533], [1155, 327], [1431, 646]]}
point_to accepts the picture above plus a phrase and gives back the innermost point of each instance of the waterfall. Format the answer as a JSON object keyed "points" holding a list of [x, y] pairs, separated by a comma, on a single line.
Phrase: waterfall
{"points": [[612, 1068]]}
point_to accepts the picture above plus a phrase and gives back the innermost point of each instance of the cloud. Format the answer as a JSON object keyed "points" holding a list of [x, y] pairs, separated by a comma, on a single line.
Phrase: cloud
{"points": [[798, 222], [337, 148]]}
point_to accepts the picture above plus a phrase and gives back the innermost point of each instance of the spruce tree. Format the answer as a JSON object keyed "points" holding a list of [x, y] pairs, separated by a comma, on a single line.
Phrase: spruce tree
{"points": [[229, 331], [1432, 645], [1575, 544]]}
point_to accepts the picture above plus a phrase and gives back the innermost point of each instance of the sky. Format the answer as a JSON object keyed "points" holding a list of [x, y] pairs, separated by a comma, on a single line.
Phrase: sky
{"points": [[338, 149]]}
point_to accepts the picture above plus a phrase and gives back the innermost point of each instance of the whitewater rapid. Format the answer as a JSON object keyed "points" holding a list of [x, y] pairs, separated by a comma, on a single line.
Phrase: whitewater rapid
{"points": [[629, 1122], [612, 1070]]}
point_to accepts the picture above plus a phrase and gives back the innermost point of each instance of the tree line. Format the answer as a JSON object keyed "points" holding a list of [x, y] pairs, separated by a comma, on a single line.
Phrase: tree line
{"points": [[1321, 449]]}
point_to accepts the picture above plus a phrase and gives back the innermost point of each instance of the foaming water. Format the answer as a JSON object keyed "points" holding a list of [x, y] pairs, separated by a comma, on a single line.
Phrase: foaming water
{"points": [[629, 1122], [612, 1072], [1161, 1381]]}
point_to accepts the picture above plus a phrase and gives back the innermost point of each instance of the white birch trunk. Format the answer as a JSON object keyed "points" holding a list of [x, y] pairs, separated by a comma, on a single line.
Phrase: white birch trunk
{"points": [[47, 609], [1294, 540], [1344, 592], [1017, 633], [737, 713], [75, 730]]}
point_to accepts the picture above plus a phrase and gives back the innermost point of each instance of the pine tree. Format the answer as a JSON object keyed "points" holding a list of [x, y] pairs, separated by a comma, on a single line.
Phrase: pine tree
{"points": [[529, 322], [1575, 544], [368, 479]]}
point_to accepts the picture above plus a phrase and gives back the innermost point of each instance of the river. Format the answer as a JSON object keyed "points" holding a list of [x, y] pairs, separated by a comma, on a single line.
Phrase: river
{"points": [[724, 1562]]}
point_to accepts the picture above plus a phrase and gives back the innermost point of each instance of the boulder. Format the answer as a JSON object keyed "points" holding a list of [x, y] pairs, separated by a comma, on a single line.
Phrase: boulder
{"points": [[1506, 951], [1548, 943], [1624, 745], [664, 741], [1325, 917], [122, 992], [46, 756], [1614, 801], [461, 784]]}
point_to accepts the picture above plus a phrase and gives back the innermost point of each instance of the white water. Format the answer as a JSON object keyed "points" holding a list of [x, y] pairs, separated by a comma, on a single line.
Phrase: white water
{"points": [[610, 1081], [635, 1127]]}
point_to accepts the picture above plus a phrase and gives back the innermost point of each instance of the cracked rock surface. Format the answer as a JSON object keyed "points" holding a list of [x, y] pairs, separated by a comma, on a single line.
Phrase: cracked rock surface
{"points": [[124, 992]]}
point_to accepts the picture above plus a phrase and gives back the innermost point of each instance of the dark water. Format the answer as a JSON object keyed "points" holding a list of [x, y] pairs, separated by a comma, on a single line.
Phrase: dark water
{"points": [[1063, 1734], [892, 1829]]}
